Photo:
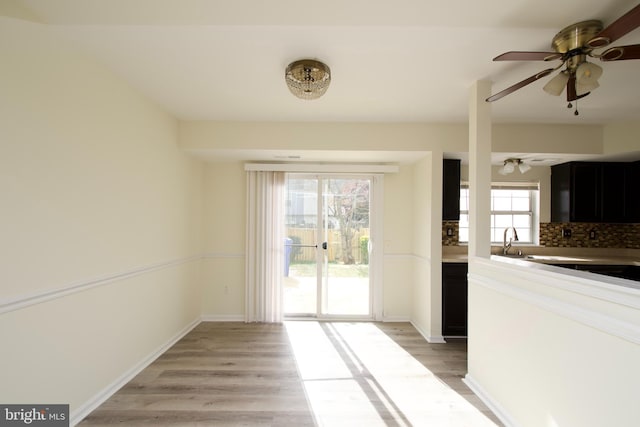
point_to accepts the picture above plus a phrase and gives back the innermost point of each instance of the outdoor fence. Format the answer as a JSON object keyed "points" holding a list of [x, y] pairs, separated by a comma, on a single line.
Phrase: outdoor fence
{"points": [[308, 236]]}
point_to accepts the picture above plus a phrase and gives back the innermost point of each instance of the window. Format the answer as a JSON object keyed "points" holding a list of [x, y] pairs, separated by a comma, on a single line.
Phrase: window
{"points": [[512, 205]]}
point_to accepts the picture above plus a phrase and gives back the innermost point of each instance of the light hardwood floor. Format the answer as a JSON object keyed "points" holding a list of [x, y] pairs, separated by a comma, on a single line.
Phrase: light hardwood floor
{"points": [[300, 374]]}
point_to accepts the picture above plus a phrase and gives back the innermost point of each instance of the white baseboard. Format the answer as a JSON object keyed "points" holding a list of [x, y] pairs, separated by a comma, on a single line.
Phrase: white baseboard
{"points": [[79, 414], [396, 319], [222, 318], [439, 339], [495, 407]]}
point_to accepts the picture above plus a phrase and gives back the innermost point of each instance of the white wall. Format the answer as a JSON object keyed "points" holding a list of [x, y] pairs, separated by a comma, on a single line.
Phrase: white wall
{"points": [[553, 348], [225, 240], [221, 138], [223, 264], [622, 138], [546, 138], [101, 215], [398, 244], [426, 298]]}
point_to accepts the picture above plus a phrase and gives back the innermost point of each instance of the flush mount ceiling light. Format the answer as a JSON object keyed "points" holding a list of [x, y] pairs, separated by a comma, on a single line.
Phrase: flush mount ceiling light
{"points": [[510, 166], [307, 78]]}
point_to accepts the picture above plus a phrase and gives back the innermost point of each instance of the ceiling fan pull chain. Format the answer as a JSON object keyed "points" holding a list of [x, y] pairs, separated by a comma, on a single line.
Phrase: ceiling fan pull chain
{"points": [[576, 113]]}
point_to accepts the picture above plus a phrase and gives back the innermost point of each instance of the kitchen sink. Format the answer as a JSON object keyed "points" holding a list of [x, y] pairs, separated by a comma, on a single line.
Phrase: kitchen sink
{"points": [[521, 256], [553, 258]]}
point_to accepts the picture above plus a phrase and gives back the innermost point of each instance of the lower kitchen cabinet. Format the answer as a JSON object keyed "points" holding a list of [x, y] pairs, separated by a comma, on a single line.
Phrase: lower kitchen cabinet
{"points": [[454, 299], [629, 272]]}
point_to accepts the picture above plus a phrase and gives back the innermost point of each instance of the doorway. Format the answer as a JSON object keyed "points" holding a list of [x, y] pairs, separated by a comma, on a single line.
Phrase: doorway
{"points": [[328, 247]]}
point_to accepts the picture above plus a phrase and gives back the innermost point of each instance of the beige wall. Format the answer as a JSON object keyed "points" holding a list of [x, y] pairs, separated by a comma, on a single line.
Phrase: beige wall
{"points": [[223, 263], [422, 297], [620, 138], [101, 222], [224, 245], [545, 138], [549, 347], [398, 244], [219, 138]]}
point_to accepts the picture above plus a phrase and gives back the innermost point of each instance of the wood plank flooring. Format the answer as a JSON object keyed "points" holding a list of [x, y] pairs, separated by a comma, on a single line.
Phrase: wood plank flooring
{"points": [[300, 374]]}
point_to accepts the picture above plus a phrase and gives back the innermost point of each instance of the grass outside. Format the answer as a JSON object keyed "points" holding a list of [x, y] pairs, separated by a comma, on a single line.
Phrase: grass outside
{"points": [[335, 270]]}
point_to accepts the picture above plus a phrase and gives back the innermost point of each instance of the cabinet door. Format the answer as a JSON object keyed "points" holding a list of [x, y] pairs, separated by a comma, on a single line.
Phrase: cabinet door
{"points": [[585, 192], [451, 190], [561, 193], [454, 299], [632, 192], [613, 192]]}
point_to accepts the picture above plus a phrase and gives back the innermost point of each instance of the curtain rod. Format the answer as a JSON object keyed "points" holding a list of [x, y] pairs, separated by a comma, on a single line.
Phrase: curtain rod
{"points": [[321, 167]]}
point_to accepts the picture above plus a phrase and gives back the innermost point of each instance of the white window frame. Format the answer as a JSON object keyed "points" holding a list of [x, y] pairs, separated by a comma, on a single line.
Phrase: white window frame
{"points": [[534, 212]]}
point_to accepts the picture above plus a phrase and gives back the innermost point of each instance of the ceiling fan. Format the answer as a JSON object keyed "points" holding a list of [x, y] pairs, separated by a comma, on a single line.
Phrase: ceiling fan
{"points": [[572, 46]]}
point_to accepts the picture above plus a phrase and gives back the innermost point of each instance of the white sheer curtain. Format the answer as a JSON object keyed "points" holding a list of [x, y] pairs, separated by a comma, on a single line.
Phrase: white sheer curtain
{"points": [[265, 251]]}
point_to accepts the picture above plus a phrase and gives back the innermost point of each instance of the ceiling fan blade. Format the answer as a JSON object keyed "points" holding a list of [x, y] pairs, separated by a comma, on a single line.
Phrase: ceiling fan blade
{"points": [[528, 56], [520, 85], [571, 90], [621, 26], [620, 53]]}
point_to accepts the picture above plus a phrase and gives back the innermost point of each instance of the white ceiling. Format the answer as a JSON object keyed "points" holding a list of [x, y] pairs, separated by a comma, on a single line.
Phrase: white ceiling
{"points": [[391, 61], [401, 60]]}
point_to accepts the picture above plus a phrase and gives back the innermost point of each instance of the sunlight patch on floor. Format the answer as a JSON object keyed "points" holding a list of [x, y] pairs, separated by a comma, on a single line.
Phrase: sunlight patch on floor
{"points": [[354, 374]]}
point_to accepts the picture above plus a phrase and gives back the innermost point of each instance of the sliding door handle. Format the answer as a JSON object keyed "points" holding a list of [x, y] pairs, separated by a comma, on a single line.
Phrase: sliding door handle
{"points": [[324, 245]]}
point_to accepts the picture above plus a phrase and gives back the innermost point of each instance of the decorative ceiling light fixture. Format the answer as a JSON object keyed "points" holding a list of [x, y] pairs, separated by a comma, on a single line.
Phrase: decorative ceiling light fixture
{"points": [[307, 78], [510, 166]]}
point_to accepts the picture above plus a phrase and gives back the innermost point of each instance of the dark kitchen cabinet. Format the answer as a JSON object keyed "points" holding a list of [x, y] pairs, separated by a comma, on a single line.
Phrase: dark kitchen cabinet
{"points": [[632, 195], [629, 272], [593, 192], [454, 299], [575, 192], [613, 195], [451, 190]]}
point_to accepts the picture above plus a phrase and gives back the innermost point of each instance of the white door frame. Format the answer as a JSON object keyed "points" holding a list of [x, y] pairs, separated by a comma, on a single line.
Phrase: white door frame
{"points": [[376, 260]]}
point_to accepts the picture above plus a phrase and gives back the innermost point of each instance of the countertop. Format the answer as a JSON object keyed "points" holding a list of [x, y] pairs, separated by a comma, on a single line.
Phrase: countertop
{"points": [[547, 255], [594, 260]]}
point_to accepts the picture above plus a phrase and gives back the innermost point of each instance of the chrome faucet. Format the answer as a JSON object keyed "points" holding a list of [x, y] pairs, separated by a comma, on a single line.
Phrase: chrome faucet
{"points": [[514, 238]]}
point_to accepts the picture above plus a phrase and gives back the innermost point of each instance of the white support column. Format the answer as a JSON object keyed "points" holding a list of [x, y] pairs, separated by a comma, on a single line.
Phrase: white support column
{"points": [[480, 170]]}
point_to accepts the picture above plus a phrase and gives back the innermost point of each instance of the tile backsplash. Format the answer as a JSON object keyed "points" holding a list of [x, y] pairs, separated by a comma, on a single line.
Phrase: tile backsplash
{"points": [[582, 235], [450, 233], [590, 235]]}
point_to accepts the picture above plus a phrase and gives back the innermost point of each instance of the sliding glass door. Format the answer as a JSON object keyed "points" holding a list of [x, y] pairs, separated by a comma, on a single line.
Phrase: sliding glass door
{"points": [[327, 246]]}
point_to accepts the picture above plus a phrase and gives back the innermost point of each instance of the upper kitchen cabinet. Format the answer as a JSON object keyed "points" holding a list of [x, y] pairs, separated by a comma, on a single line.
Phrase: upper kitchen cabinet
{"points": [[632, 196], [593, 192], [451, 190], [613, 194]]}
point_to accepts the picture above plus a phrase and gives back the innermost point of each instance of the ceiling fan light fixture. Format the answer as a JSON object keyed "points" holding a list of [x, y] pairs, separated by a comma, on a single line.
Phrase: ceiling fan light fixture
{"points": [[588, 72], [307, 78], [524, 168], [507, 168], [556, 85], [510, 166], [587, 75], [582, 89]]}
